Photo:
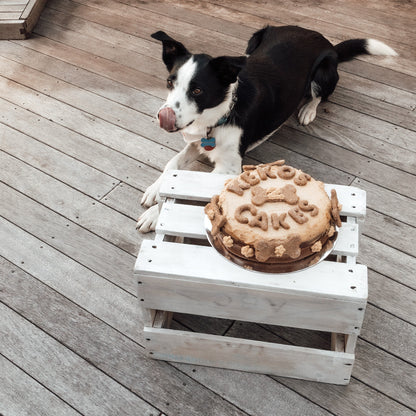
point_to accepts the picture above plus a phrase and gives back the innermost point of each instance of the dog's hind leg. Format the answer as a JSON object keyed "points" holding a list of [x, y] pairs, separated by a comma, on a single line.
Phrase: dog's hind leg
{"points": [[323, 84], [307, 113]]}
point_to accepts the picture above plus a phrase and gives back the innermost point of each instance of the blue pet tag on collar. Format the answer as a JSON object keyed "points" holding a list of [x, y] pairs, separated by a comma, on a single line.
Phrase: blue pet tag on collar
{"points": [[208, 143]]}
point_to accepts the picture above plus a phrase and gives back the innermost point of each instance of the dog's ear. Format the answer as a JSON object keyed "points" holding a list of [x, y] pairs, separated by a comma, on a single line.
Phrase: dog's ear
{"points": [[227, 68], [255, 40], [172, 49]]}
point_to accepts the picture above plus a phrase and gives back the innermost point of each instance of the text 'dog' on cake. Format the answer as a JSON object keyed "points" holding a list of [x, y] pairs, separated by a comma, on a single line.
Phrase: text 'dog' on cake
{"points": [[274, 218]]}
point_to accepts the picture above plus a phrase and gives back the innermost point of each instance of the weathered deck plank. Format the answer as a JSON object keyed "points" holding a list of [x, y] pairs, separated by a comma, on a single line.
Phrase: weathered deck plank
{"points": [[21, 395], [17, 18], [64, 372], [79, 145], [110, 351]]}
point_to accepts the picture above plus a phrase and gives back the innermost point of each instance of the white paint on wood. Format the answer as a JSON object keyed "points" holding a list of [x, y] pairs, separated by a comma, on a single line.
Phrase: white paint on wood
{"points": [[201, 186], [250, 304], [188, 221], [248, 355], [338, 342], [350, 342], [203, 264]]}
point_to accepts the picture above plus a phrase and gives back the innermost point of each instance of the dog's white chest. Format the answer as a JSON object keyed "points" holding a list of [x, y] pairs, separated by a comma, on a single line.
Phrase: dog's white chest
{"points": [[225, 154]]}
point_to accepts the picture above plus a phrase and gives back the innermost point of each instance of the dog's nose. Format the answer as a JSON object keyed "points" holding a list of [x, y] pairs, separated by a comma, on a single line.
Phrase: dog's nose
{"points": [[167, 119]]}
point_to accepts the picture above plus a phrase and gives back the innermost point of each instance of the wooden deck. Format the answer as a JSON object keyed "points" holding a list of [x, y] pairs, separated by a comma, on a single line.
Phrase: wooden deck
{"points": [[79, 145], [18, 17]]}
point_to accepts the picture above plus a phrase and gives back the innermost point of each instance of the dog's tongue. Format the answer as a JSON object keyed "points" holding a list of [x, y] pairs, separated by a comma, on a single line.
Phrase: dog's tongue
{"points": [[167, 119]]}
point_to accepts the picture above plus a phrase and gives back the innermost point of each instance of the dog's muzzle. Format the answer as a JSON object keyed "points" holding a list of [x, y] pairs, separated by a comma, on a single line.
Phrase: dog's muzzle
{"points": [[167, 119]]}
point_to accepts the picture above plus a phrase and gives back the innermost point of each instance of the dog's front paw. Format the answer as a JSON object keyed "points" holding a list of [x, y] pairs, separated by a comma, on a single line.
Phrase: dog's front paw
{"points": [[147, 221], [150, 197]]}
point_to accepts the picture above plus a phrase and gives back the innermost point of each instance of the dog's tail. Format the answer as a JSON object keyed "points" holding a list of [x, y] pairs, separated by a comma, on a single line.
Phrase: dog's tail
{"points": [[349, 49]]}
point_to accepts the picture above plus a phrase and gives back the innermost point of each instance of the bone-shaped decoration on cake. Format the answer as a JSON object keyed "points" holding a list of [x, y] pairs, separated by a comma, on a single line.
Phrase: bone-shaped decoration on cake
{"points": [[286, 194]]}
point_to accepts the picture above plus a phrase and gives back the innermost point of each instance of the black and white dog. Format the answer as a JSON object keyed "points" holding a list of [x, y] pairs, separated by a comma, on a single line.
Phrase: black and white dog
{"points": [[226, 106]]}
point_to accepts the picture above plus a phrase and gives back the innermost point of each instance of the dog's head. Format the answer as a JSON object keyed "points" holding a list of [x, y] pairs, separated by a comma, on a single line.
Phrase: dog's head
{"points": [[200, 86]]}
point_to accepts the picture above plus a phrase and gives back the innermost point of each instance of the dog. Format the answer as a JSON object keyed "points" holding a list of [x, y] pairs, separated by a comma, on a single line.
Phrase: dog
{"points": [[226, 106]]}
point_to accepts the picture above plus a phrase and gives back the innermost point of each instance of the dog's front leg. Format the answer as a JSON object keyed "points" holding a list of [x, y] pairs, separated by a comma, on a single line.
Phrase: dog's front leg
{"points": [[147, 221], [229, 167], [226, 155]]}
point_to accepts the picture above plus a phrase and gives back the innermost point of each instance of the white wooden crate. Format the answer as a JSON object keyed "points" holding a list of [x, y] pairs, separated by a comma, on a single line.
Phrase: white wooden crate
{"points": [[174, 276]]}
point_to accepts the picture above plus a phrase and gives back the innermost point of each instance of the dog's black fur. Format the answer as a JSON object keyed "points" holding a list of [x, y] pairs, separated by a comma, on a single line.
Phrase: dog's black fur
{"points": [[282, 63]]}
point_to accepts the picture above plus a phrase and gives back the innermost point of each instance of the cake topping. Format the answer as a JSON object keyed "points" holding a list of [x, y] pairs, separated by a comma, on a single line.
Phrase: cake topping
{"points": [[316, 247], [247, 251], [277, 163], [285, 194], [286, 172], [260, 220], [263, 250], [249, 178], [259, 195], [249, 167], [265, 172], [237, 187], [298, 215], [292, 246], [213, 211], [305, 206], [302, 179], [242, 208], [289, 194], [279, 220], [228, 241], [210, 213], [279, 251], [335, 208]]}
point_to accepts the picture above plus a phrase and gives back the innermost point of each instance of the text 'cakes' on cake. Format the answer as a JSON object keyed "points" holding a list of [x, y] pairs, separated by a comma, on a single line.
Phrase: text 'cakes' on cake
{"points": [[274, 217]]}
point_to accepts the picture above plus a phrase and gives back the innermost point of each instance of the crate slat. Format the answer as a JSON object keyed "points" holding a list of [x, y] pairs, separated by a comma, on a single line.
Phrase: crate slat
{"points": [[191, 185], [181, 220], [201, 186], [188, 221], [253, 305], [248, 355], [204, 264]]}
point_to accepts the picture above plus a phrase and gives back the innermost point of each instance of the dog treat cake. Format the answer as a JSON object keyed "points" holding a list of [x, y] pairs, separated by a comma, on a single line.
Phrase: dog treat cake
{"points": [[274, 218]]}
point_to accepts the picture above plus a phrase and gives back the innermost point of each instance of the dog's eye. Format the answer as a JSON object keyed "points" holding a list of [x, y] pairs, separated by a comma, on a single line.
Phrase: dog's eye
{"points": [[169, 84], [196, 91]]}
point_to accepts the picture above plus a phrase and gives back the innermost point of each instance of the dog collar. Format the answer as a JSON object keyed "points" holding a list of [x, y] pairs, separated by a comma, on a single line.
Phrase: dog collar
{"points": [[208, 143]]}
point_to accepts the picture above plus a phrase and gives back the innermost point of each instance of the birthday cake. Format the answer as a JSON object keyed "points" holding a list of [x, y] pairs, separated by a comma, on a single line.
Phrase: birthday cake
{"points": [[274, 218]]}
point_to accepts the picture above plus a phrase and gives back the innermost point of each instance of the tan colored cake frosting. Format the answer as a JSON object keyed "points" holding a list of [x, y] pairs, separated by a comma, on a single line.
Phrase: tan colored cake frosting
{"points": [[274, 213]]}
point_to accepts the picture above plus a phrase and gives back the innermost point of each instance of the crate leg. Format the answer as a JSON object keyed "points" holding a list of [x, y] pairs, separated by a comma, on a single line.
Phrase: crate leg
{"points": [[162, 319], [351, 342], [146, 315], [337, 342]]}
